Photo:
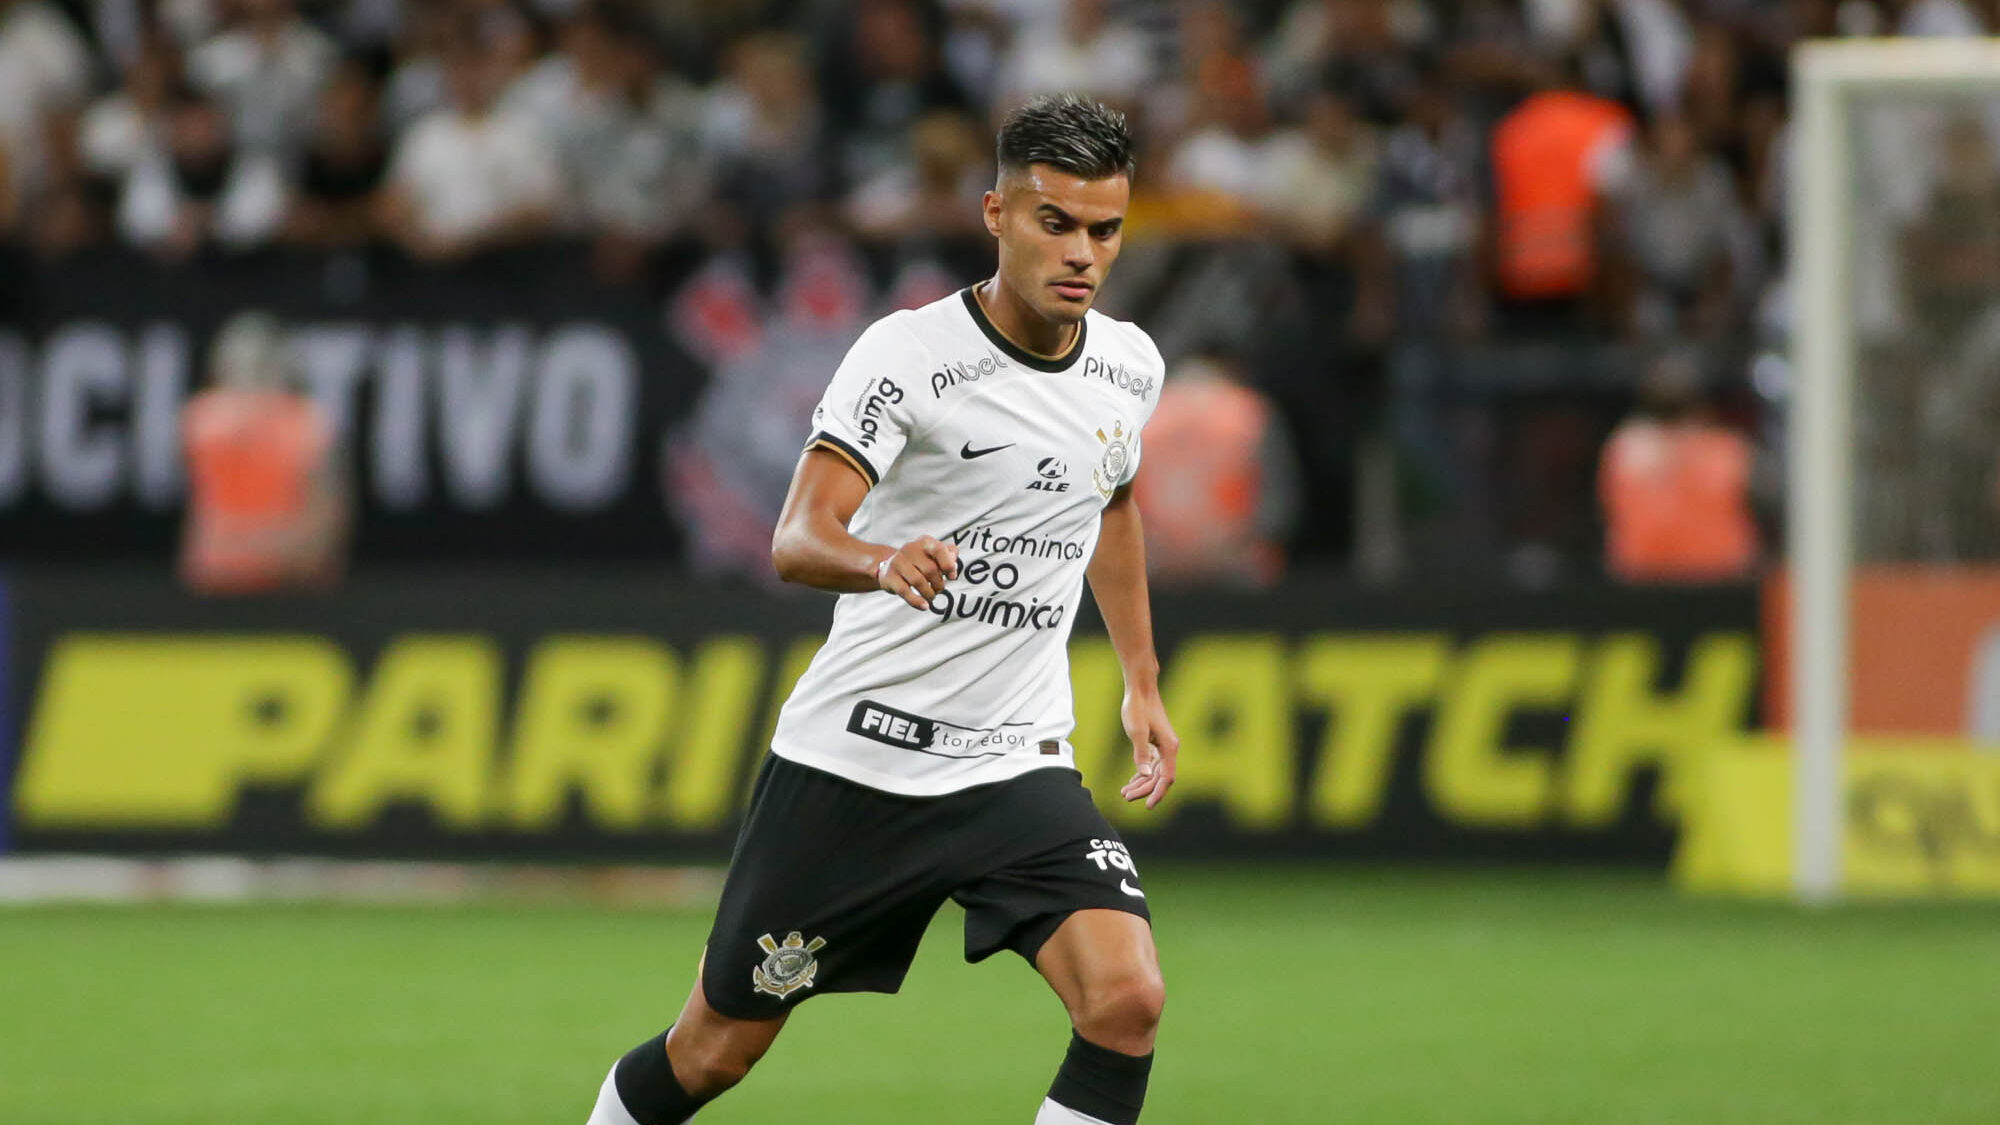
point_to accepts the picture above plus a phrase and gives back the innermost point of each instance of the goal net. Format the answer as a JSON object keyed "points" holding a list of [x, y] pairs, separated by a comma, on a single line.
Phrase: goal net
{"points": [[1893, 582]]}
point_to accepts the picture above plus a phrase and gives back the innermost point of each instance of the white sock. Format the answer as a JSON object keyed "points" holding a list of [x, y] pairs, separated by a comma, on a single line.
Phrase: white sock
{"points": [[610, 1109], [1052, 1114]]}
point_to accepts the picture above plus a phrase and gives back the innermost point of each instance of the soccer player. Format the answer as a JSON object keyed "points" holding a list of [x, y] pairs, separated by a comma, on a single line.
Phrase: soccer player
{"points": [[994, 435]]}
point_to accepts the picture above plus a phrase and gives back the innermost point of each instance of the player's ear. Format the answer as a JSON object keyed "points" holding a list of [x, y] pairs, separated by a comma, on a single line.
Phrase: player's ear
{"points": [[990, 208]]}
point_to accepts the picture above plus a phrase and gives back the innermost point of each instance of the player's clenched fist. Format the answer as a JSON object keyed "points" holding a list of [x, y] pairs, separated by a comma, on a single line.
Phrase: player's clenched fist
{"points": [[916, 573]]}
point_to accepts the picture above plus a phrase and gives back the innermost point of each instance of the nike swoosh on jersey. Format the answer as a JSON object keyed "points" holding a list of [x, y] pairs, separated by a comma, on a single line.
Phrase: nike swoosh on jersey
{"points": [[1130, 889], [966, 451]]}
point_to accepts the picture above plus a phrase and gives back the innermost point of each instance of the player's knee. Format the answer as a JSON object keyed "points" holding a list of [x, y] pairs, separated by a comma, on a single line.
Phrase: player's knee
{"points": [[1123, 1013], [708, 1068]]}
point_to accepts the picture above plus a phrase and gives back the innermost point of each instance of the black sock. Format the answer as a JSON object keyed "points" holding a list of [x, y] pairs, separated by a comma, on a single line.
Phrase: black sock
{"points": [[1101, 1082], [647, 1086]]}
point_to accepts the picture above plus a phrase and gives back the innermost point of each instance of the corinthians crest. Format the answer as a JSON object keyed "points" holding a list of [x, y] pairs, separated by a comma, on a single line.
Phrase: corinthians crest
{"points": [[1111, 466], [790, 966]]}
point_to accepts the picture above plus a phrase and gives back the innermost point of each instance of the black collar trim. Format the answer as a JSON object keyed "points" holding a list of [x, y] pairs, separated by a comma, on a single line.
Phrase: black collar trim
{"points": [[1016, 352]]}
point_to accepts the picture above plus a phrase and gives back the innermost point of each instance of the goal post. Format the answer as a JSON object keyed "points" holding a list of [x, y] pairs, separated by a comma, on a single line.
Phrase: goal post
{"points": [[1834, 82]]}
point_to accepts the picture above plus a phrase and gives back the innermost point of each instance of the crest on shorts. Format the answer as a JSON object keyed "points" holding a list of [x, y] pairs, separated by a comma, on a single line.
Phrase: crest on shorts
{"points": [[1111, 467], [787, 967]]}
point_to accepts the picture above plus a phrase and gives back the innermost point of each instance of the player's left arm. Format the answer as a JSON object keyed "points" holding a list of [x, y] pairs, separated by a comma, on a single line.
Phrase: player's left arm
{"points": [[1118, 583]]}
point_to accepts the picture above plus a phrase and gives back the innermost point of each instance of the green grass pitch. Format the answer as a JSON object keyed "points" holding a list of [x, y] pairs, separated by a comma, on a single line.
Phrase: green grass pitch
{"points": [[1297, 996]]}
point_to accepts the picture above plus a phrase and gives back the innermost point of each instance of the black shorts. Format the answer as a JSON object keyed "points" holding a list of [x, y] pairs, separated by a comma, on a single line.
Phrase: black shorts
{"points": [[833, 883]]}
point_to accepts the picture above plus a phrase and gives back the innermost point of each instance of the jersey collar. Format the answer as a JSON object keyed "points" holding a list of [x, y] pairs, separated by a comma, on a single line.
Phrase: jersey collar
{"points": [[1017, 353]]}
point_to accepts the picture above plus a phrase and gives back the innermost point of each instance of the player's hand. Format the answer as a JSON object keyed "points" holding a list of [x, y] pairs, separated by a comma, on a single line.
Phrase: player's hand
{"points": [[916, 573], [1155, 747]]}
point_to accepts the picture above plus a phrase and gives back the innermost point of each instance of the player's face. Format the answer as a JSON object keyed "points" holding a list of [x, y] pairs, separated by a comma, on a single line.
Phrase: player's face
{"points": [[1058, 236]]}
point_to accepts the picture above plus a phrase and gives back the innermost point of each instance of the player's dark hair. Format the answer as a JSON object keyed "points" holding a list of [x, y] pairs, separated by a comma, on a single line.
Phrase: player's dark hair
{"points": [[1084, 138]]}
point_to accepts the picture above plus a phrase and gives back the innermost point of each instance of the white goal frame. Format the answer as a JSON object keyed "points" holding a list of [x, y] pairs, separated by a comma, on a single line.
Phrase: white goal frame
{"points": [[1827, 75]]}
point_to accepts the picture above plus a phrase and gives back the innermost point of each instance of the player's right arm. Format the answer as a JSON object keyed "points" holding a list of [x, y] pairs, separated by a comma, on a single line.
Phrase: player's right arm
{"points": [[813, 547], [861, 425]]}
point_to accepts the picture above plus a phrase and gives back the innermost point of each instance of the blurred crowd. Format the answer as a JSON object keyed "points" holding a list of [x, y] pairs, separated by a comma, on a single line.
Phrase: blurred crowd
{"points": [[1334, 196], [1384, 135]]}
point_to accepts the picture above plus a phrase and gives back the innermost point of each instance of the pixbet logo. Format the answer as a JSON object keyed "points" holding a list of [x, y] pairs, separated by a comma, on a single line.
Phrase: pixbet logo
{"points": [[1118, 375], [1049, 473], [952, 374]]}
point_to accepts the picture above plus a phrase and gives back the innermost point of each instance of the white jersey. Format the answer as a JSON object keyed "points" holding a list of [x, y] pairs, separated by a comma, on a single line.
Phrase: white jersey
{"points": [[1011, 456]]}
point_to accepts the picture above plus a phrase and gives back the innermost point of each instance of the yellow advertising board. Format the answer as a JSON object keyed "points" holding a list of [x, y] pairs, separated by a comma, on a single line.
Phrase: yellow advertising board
{"points": [[1920, 818], [621, 718]]}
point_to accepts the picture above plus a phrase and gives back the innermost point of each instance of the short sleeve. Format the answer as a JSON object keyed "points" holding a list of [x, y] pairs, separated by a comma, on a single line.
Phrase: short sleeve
{"points": [[868, 412], [1156, 378]]}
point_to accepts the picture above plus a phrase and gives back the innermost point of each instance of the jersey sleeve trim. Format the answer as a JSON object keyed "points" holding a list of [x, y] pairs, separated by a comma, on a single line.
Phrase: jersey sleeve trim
{"points": [[846, 452]]}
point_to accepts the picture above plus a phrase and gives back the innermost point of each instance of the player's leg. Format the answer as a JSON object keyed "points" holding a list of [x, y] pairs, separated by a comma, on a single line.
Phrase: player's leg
{"points": [[830, 889], [664, 1080], [1103, 965], [1066, 895]]}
